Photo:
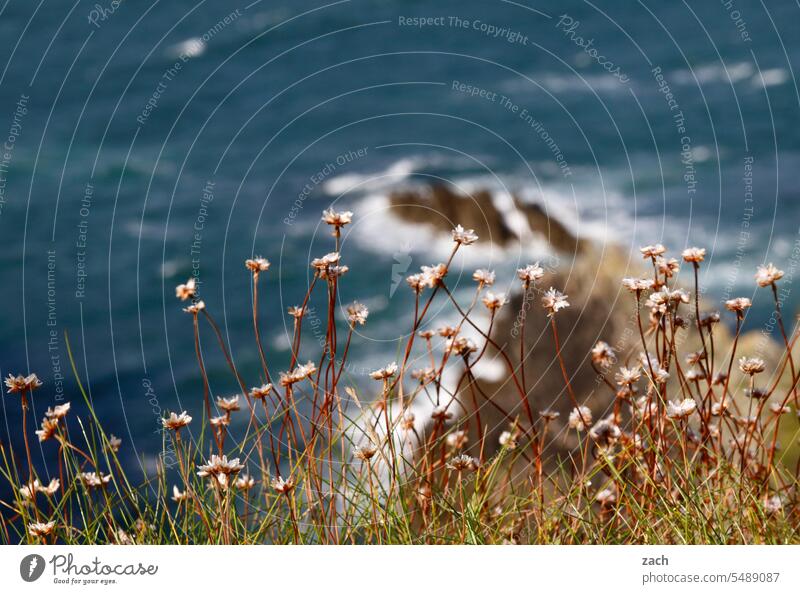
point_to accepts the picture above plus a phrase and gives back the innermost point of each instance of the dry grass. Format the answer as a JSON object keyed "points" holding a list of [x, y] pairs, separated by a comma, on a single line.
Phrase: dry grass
{"points": [[685, 456]]}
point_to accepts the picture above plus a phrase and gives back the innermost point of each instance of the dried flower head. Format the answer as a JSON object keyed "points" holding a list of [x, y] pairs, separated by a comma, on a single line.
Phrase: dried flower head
{"points": [[779, 409], [186, 291], [447, 331], [51, 489], [494, 301], [176, 422], [667, 267], [229, 404], [425, 375], [219, 468], [773, 505], [462, 462], [580, 418], [628, 375], [416, 282], [605, 433], [261, 392], [48, 430], [603, 355], [652, 251], [245, 482], [751, 365], [507, 440], [114, 443], [256, 265], [337, 219], [426, 334], [464, 236], [57, 412], [365, 451], [694, 255], [738, 305], [220, 421], [681, 410], [483, 277], [385, 372], [41, 529], [357, 313], [457, 439], [178, 495], [768, 275], [196, 307], [549, 415], [298, 374], [433, 275], [325, 261], [553, 301], [637, 285], [29, 491], [283, 486], [22, 383], [460, 345], [92, 480], [606, 497], [530, 274], [296, 312], [440, 413]]}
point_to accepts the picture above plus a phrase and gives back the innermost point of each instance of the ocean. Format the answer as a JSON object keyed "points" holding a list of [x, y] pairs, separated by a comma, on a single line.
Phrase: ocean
{"points": [[148, 142]]}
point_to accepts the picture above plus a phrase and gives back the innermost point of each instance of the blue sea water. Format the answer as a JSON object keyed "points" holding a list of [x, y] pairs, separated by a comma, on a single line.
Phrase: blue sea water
{"points": [[145, 142]]}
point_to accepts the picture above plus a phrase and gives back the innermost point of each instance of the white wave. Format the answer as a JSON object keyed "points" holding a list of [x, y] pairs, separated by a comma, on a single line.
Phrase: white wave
{"points": [[770, 77], [713, 73], [191, 48], [347, 182]]}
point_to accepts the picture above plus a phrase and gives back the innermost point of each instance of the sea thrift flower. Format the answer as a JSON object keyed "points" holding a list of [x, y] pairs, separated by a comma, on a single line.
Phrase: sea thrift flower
{"points": [[299, 373], [447, 331], [325, 261], [22, 383], [57, 412], [606, 497], [483, 277], [261, 392], [681, 410], [507, 440], [178, 495], [195, 308], [245, 482], [751, 365], [493, 301], [768, 275], [221, 421], [738, 305], [284, 487], [462, 462], [457, 439], [637, 285], [667, 267], [296, 312], [605, 433], [757, 393], [333, 272], [530, 274], [176, 422], [92, 480], [549, 415], [652, 251], [187, 290], [464, 236], [773, 505], [256, 265], [426, 334], [357, 313], [580, 418], [29, 491], [48, 430], [365, 451], [51, 488], [603, 355], [229, 405], [425, 374], [553, 301], [416, 282], [114, 443], [433, 275], [41, 529], [337, 219], [460, 345], [219, 467], [628, 375], [408, 421], [779, 409], [385, 372], [440, 413], [694, 255]]}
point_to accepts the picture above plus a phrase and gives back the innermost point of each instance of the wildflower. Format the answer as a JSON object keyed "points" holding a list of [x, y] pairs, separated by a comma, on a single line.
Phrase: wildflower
{"points": [[464, 236], [460, 345], [256, 265], [462, 462], [447, 331], [580, 418], [176, 422], [507, 440], [426, 334], [606, 497], [261, 392], [337, 220], [57, 412], [694, 255], [408, 421], [695, 357], [365, 452], [284, 487], [186, 291], [22, 383], [245, 482], [178, 495], [773, 505], [296, 312], [298, 374], [432, 275], [416, 282], [779, 409], [41, 529], [325, 261], [50, 489], [719, 408], [48, 430], [531, 273], [738, 305], [114, 443], [768, 275], [440, 413], [29, 491], [603, 355], [646, 407], [549, 415], [695, 375], [652, 251], [709, 319], [195, 308], [681, 410], [457, 439], [553, 301], [221, 421], [637, 285], [493, 301], [628, 375], [658, 302], [751, 366], [757, 393], [123, 538], [677, 296], [719, 378], [385, 372], [357, 313], [219, 468], [92, 480], [605, 433], [333, 272], [229, 405], [425, 375], [660, 375], [483, 277], [667, 267]]}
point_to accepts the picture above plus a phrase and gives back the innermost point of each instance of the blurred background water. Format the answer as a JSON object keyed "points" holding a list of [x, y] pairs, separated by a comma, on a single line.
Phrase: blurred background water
{"points": [[147, 141]]}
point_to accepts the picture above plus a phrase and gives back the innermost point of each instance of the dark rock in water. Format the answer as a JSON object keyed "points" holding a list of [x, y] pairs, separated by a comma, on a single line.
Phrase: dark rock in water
{"points": [[443, 208]]}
